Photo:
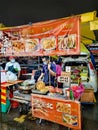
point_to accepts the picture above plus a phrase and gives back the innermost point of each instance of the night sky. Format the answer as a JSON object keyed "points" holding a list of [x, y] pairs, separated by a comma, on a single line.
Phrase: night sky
{"points": [[20, 12]]}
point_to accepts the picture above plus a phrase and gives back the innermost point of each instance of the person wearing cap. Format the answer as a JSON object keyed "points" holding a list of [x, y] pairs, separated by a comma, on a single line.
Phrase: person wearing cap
{"points": [[13, 66], [48, 72]]}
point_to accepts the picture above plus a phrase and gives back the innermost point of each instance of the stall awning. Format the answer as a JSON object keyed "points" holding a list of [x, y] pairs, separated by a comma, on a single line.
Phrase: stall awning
{"points": [[84, 50], [87, 17], [94, 25], [87, 35]]}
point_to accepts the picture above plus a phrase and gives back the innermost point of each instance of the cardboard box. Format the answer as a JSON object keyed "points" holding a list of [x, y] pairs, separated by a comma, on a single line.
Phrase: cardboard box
{"points": [[88, 96]]}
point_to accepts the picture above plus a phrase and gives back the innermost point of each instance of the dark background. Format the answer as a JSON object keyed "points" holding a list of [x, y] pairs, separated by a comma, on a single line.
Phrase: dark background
{"points": [[19, 12]]}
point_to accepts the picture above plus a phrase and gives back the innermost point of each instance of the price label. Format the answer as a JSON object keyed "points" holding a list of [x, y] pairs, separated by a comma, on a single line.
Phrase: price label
{"points": [[65, 78]]}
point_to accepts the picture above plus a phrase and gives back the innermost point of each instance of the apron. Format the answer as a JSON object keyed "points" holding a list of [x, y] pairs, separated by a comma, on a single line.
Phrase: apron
{"points": [[12, 69]]}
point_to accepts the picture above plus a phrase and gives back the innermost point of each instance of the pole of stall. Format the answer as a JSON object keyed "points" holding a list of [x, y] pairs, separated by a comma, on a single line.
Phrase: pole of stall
{"points": [[0, 95], [38, 63], [49, 74]]}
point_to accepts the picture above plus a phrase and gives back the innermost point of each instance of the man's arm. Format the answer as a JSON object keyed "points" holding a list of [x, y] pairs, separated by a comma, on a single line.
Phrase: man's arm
{"points": [[18, 74], [40, 77]]}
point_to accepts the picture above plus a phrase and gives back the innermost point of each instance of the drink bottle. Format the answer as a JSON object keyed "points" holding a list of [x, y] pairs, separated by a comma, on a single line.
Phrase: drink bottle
{"points": [[71, 95]]}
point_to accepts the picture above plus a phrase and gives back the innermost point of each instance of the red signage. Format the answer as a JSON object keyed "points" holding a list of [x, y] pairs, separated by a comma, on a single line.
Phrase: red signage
{"points": [[53, 37], [64, 112]]}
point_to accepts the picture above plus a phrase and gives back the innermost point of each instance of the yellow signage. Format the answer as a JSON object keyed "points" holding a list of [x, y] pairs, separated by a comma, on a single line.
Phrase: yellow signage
{"points": [[86, 17], [94, 25]]}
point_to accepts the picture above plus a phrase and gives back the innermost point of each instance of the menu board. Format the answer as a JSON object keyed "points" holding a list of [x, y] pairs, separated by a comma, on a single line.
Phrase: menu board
{"points": [[64, 112], [53, 37]]}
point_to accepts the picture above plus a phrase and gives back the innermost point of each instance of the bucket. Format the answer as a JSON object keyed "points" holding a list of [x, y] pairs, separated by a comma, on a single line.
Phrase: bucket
{"points": [[14, 104]]}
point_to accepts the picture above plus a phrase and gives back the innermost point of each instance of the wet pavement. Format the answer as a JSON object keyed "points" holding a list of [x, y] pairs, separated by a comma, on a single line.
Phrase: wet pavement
{"points": [[8, 121]]}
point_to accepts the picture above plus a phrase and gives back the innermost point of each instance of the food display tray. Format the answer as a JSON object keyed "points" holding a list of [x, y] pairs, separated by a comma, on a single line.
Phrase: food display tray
{"points": [[39, 92], [26, 87]]}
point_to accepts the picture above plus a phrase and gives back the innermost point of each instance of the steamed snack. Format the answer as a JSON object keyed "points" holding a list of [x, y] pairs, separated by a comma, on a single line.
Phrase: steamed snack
{"points": [[18, 46], [48, 43], [40, 85]]}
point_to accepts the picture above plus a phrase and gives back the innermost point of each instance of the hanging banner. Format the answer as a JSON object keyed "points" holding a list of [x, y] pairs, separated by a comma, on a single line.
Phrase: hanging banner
{"points": [[53, 37], [61, 111]]}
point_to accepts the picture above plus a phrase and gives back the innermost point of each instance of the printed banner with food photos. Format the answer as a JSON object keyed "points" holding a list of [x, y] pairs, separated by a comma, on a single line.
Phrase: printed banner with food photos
{"points": [[53, 37], [61, 111]]}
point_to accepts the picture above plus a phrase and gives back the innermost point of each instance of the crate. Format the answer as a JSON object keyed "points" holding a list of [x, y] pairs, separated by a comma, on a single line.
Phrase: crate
{"points": [[5, 107], [88, 96]]}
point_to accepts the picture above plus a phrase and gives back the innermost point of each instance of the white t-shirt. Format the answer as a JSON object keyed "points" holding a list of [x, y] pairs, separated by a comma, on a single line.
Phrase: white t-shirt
{"points": [[15, 64]]}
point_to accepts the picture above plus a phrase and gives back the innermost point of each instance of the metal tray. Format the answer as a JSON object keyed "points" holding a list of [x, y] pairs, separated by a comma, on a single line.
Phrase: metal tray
{"points": [[39, 92], [26, 87]]}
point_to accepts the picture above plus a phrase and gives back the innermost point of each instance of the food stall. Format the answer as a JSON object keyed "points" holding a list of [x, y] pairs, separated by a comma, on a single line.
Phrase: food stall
{"points": [[53, 37]]}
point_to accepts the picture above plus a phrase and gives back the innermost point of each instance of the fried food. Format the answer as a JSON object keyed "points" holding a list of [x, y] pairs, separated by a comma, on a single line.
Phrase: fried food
{"points": [[18, 46], [48, 44], [44, 90], [40, 85], [61, 107]]}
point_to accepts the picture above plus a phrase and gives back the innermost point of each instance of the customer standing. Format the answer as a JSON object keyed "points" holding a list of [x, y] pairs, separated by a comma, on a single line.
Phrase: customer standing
{"points": [[48, 72]]}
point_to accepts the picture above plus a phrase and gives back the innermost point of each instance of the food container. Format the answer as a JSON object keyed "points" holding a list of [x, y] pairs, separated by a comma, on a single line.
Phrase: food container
{"points": [[26, 87]]}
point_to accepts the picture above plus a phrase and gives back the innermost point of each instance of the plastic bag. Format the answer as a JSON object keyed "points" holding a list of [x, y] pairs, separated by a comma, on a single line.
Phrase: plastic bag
{"points": [[3, 77], [11, 76], [77, 90]]}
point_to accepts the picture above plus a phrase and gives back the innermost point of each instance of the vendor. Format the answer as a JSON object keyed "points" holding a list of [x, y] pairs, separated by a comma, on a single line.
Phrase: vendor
{"points": [[58, 71], [13, 66], [48, 72]]}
